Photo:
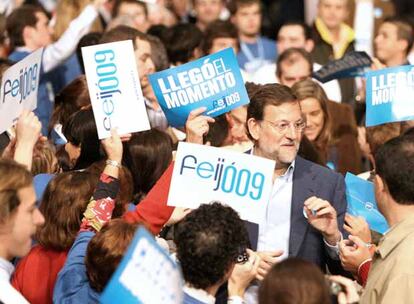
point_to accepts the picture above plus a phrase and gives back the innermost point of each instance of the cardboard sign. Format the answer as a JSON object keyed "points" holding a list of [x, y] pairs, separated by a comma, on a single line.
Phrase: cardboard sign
{"points": [[146, 274], [114, 88], [361, 202], [19, 87], [203, 174], [351, 65], [390, 95], [214, 82]]}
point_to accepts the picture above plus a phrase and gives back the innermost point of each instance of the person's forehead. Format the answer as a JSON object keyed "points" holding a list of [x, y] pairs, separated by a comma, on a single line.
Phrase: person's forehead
{"points": [[143, 46], [41, 17], [249, 8], [27, 196], [388, 27], [300, 68], [291, 31], [310, 104], [240, 113], [334, 2], [224, 40], [285, 111], [207, 2], [127, 7]]}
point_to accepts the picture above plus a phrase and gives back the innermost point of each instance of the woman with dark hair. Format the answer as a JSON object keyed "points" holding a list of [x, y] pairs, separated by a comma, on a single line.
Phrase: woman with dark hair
{"points": [[71, 99], [147, 154], [83, 146]]}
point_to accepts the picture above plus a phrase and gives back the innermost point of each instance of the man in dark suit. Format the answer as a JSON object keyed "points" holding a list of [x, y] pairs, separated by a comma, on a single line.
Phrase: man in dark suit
{"points": [[311, 197]]}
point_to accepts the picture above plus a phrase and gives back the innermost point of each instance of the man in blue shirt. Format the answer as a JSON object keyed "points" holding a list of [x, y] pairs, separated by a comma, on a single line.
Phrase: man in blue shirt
{"points": [[255, 50]]}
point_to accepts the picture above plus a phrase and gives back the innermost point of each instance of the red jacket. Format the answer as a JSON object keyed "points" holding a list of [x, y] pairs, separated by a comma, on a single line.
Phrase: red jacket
{"points": [[153, 209], [36, 274]]}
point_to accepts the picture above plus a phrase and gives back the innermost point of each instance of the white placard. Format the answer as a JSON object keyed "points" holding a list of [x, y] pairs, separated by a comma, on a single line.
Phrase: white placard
{"points": [[203, 174], [114, 88], [19, 87], [146, 274]]}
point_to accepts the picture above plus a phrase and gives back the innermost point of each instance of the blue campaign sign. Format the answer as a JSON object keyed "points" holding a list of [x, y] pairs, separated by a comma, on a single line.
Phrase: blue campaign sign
{"points": [[361, 202], [214, 82], [353, 64], [390, 95], [146, 274]]}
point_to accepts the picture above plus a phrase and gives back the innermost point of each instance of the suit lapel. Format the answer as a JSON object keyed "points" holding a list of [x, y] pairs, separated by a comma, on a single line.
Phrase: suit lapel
{"points": [[303, 180]]}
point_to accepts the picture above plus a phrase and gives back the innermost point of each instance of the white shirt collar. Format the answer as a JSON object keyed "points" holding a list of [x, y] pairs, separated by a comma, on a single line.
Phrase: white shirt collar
{"points": [[6, 269], [199, 294], [290, 169]]}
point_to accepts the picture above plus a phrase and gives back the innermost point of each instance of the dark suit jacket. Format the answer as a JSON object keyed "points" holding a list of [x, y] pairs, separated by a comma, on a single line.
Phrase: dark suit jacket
{"points": [[310, 179]]}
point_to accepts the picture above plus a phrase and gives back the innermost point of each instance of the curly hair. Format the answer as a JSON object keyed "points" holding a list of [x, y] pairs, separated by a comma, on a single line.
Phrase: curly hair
{"points": [[208, 240]]}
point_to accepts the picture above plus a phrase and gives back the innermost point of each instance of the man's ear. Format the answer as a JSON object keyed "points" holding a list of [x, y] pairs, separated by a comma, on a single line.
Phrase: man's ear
{"points": [[309, 45], [27, 34], [402, 45], [379, 184], [254, 128]]}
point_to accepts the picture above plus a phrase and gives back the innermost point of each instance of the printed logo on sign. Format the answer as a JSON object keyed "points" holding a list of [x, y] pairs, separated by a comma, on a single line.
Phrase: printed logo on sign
{"points": [[24, 85], [213, 82], [197, 84], [107, 83], [226, 176]]}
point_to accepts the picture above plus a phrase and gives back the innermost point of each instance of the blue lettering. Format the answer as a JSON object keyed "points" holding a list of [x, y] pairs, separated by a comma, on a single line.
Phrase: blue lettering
{"points": [[205, 166], [225, 177], [183, 162], [233, 169], [22, 86], [246, 182]]}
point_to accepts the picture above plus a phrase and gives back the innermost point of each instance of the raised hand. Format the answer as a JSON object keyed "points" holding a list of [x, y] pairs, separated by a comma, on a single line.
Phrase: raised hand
{"points": [[197, 126], [268, 259], [357, 226], [322, 216], [243, 274]]}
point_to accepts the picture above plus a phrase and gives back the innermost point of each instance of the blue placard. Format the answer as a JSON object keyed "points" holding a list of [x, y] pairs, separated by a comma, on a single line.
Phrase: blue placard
{"points": [[146, 274], [214, 82], [390, 94], [361, 202], [353, 64]]}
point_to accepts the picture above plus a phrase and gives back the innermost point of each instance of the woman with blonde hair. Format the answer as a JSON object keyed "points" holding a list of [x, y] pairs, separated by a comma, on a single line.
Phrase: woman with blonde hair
{"points": [[314, 105], [66, 12]]}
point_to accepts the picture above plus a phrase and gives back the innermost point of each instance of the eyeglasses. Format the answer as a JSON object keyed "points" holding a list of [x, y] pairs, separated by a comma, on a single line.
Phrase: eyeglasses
{"points": [[282, 126]]}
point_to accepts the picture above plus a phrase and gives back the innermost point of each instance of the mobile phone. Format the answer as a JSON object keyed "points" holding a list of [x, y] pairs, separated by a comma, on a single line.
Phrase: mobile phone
{"points": [[243, 256], [334, 287]]}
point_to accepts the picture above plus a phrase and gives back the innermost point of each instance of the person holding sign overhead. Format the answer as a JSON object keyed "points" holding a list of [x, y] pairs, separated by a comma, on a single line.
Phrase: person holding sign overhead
{"points": [[28, 31], [145, 67]]}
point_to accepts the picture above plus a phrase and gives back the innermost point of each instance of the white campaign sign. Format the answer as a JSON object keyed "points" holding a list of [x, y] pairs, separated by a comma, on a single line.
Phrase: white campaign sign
{"points": [[146, 274], [203, 174], [114, 87], [19, 87]]}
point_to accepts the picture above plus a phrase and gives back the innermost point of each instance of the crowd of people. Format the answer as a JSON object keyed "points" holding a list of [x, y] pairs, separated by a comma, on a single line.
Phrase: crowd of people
{"points": [[70, 204]]}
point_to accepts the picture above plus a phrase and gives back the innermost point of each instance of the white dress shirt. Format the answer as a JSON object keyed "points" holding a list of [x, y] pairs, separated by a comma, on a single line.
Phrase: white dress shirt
{"points": [[8, 295]]}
